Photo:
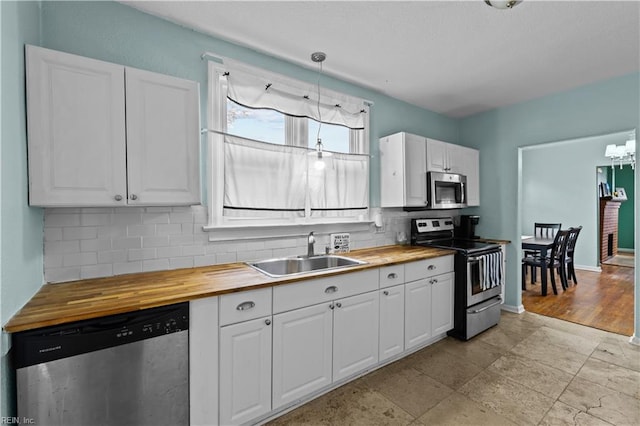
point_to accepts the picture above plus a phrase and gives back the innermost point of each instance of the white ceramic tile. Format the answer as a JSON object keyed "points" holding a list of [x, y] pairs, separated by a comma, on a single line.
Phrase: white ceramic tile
{"points": [[55, 275], [181, 262], [79, 232], [168, 229], [80, 259], [204, 260], [155, 218], [95, 245], [141, 230], [155, 265], [61, 247], [158, 241], [127, 267], [95, 219], [126, 243], [141, 254], [96, 271]]}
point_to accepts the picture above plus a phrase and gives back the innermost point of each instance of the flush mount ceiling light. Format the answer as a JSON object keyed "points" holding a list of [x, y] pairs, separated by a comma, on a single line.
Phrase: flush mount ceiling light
{"points": [[502, 4], [319, 164]]}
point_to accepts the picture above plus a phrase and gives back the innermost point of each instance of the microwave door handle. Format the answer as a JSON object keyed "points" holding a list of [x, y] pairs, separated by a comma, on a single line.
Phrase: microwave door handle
{"points": [[463, 192]]}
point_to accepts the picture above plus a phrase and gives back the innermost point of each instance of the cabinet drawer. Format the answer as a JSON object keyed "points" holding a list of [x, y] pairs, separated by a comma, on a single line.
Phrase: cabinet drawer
{"points": [[245, 305], [428, 268], [391, 275], [306, 293]]}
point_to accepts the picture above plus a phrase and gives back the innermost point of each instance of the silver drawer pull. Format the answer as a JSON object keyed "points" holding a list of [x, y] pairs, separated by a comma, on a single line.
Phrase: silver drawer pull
{"points": [[245, 305], [477, 311], [431, 267], [392, 276], [331, 289], [386, 293], [268, 322]]}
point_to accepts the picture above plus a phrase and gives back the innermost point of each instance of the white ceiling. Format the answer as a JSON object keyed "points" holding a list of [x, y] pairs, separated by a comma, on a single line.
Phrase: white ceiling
{"points": [[456, 58]]}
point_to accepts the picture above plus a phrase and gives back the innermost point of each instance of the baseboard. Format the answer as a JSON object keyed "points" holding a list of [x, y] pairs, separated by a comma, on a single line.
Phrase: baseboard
{"points": [[626, 250], [513, 309], [634, 340], [589, 268]]}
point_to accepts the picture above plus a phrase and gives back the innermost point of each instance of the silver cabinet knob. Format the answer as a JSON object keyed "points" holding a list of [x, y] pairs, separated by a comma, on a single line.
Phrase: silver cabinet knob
{"points": [[133, 197], [331, 306], [118, 197], [267, 321], [386, 293], [339, 305]]}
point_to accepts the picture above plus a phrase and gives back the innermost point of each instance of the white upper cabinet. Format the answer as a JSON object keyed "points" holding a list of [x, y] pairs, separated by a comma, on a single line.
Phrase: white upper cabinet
{"points": [[88, 146], [76, 125], [403, 181], [450, 158]]}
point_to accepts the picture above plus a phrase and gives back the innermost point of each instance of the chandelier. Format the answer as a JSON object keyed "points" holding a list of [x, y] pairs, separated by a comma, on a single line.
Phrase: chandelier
{"points": [[624, 154]]}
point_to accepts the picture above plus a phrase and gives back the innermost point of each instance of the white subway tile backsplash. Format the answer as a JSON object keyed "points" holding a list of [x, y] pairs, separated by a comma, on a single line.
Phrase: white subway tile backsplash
{"points": [[127, 243], [155, 265], [95, 219], [155, 217], [61, 247], [169, 229], [141, 254], [96, 271], [80, 259], [204, 260], [181, 262], [169, 251], [127, 268], [97, 245], [93, 242], [53, 234], [55, 275], [79, 232], [141, 230], [161, 241], [63, 220]]}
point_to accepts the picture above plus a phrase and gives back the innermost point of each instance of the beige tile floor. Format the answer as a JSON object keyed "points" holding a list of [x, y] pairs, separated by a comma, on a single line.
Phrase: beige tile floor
{"points": [[528, 370]]}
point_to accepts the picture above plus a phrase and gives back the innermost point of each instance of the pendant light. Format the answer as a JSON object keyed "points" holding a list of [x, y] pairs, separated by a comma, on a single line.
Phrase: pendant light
{"points": [[319, 153], [502, 4]]}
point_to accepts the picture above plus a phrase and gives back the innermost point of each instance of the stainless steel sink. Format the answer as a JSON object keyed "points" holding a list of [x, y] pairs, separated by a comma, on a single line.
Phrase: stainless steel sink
{"points": [[299, 265]]}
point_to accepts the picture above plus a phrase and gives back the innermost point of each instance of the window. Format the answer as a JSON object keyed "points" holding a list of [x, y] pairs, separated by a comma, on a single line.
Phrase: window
{"points": [[262, 143]]}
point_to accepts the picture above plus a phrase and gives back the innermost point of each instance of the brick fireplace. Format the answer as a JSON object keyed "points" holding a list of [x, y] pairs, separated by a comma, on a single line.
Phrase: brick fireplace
{"points": [[608, 228]]}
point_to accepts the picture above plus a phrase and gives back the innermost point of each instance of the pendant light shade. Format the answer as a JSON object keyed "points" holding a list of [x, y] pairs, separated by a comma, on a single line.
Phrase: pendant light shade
{"points": [[502, 4]]}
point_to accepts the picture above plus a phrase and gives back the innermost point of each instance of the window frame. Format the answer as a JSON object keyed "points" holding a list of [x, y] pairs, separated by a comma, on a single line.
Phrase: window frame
{"points": [[224, 228]]}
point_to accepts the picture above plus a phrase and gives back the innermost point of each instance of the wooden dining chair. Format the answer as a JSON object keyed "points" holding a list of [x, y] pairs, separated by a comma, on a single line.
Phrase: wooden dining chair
{"points": [[542, 230], [554, 262], [568, 264]]}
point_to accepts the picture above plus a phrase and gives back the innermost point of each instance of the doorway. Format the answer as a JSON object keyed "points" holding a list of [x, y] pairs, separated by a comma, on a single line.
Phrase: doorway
{"points": [[558, 185]]}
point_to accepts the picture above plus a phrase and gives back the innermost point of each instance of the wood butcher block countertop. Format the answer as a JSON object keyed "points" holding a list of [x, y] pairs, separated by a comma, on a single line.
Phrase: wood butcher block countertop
{"points": [[79, 300]]}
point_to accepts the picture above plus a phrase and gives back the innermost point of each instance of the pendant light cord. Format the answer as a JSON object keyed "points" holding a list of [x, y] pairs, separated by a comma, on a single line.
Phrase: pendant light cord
{"points": [[319, 112]]}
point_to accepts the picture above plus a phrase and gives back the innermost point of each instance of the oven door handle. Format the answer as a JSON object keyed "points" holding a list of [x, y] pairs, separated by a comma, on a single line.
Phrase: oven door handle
{"points": [[477, 311]]}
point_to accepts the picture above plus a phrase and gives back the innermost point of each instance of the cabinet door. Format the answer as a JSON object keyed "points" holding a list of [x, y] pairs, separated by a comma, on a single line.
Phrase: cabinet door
{"points": [[76, 125], [417, 325], [441, 303], [471, 169], [302, 350], [245, 371], [437, 156], [162, 139], [415, 171], [355, 334], [203, 361], [392, 171], [391, 322]]}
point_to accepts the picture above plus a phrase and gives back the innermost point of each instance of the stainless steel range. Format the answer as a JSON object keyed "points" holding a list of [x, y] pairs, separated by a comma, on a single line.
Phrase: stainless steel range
{"points": [[478, 275]]}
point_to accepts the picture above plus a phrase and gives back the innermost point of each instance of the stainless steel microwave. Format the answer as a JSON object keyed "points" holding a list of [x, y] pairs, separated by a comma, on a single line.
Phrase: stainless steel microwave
{"points": [[446, 190]]}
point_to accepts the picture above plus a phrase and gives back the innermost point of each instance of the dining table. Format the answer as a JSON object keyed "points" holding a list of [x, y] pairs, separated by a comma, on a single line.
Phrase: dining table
{"points": [[542, 245]]}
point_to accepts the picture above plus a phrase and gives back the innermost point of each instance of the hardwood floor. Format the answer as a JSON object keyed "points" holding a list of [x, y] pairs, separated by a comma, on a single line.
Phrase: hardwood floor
{"points": [[600, 300]]}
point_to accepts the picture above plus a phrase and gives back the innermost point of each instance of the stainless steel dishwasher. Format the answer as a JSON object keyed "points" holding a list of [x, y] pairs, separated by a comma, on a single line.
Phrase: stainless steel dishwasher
{"points": [[126, 369]]}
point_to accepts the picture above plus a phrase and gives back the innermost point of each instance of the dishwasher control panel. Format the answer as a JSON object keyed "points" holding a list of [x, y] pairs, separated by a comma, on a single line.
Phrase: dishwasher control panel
{"points": [[51, 343]]}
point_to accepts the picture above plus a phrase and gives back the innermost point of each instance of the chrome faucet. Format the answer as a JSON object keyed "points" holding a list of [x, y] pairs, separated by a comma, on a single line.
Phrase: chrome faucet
{"points": [[311, 240]]}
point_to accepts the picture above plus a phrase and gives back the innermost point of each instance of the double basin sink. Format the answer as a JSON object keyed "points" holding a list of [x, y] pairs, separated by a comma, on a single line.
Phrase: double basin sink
{"points": [[286, 266]]}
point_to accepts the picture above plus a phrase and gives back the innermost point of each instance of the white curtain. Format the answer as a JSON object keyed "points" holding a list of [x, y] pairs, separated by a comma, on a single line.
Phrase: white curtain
{"points": [[269, 91], [263, 179], [341, 189]]}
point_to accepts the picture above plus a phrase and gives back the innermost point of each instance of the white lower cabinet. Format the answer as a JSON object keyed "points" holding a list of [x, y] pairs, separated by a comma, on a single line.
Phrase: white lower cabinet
{"points": [[245, 371], [428, 308], [417, 325], [355, 334], [441, 303], [302, 352], [391, 322]]}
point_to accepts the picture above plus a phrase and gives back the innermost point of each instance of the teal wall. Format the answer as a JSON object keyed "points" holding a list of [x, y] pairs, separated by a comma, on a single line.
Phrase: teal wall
{"points": [[562, 174], [606, 107], [624, 179], [116, 33], [21, 227]]}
